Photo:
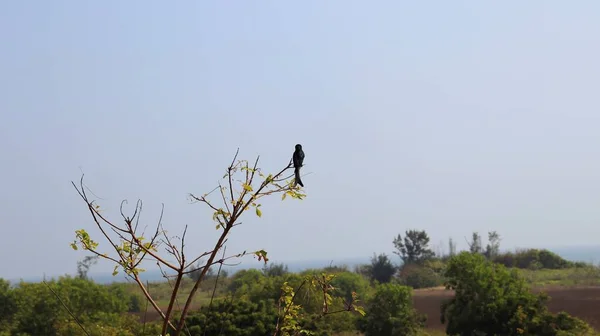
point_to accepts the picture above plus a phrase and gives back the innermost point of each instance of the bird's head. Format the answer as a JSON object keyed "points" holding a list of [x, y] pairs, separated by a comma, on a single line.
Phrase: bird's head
{"points": [[298, 147]]}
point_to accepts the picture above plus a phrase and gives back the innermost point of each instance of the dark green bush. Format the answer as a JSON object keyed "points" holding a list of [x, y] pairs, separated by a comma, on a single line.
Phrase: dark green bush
{"points": [[492, 300], [417, 276], [245, 278], [237, 317], [346, 282], [8, 305], [331, 324], [390, 313], [533, 259], [100, 308]]}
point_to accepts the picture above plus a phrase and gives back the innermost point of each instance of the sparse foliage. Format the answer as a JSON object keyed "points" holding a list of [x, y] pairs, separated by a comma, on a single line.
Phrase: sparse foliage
{"points": [[83, 266], [195, 272], [476, 246], [493, 247], [244, 186], [451, 247], [290, 313], [273, 270]]}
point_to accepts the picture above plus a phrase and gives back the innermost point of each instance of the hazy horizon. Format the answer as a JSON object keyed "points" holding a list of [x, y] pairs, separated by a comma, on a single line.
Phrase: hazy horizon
{"points": [[587, 254], [454, 118]]}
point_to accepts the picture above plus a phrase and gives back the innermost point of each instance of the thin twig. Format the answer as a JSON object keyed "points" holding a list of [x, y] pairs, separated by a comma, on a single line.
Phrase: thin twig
{"points": [[174, 290], [217, 279], [146, 308], [215, 288], [238, 208]]}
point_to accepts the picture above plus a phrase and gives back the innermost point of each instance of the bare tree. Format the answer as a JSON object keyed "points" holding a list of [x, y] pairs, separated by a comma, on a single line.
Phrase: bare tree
{"points": [[244, 186], [475, 245], [83, 266], [451, 247], [440, 249], [493, 247]]}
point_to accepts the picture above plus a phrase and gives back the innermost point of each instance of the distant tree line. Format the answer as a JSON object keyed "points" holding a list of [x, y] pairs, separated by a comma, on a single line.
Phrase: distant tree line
{"points": [[420, 267]]}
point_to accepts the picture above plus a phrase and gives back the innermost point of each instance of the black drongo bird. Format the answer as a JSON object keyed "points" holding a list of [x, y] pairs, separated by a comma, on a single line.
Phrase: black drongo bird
{"points": [[298, 159]]}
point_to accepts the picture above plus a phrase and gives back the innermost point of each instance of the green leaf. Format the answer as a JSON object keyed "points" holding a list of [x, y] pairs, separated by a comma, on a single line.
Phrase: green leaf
{"points": [[115, 271], [258, 212], [247, 187], [74, 246], [283, 196], [262, 255]]}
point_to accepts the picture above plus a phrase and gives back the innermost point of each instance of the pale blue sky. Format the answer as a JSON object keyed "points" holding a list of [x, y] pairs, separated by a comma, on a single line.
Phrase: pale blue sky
{"points": [[448, 116]]}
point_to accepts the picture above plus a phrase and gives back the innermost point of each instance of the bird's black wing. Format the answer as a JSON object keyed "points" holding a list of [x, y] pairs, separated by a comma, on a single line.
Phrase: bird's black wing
{"points": [[298, 158]]}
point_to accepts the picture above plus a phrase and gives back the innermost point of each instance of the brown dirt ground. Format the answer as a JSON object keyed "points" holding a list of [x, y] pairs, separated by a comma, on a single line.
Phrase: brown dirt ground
{"points": [[582, 302]]}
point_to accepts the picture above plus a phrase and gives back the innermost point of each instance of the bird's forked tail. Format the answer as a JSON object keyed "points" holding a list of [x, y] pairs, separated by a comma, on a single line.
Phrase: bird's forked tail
{"points": [[297, 176]]}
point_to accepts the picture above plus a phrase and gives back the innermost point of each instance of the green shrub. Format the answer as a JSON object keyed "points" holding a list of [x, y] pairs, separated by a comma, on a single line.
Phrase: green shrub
{"points": [[98, 307], [8, 306], [107, 325], [417, 276], [533, 259], [390, 313], [245, 278], [347, 282], [237, 317], [331, 324], [492, 300]]}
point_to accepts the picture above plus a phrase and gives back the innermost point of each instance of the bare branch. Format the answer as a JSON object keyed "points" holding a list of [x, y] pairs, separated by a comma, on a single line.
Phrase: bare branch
{"points": [[230, 177], [217, 279], [132, 248]]}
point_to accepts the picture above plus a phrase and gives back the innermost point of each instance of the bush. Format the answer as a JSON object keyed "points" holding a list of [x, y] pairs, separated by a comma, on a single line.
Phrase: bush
{"points": [[245, 278], [238, 317], [417, 276], [100, 308], [134, 300], [331, 324], [251, 287], [8, 306], [381, 268], [491, 300], [534, 259], [108, 325], [390, 313], [345, 283]]}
